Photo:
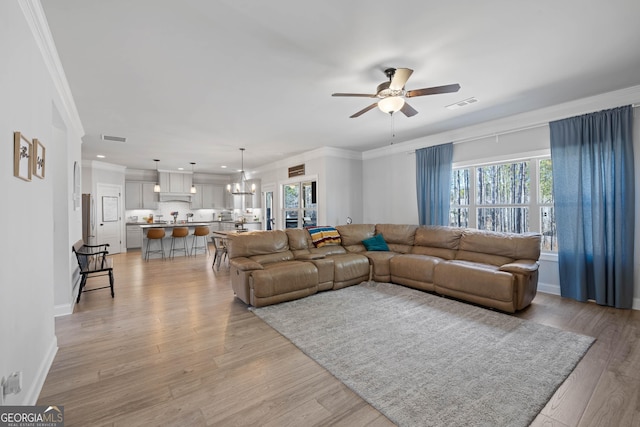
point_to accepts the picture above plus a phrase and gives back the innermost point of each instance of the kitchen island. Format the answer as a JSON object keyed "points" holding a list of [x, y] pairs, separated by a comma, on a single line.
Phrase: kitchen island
{"points": [[213, 227]]}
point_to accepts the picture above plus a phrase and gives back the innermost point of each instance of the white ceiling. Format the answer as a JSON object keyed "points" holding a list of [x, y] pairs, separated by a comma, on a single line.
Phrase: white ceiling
{"points": [[195, 80]]}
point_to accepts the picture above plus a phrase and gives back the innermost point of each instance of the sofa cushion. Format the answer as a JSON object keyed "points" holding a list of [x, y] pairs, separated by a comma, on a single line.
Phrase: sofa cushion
{"points": [[375, 243], [257, 243], [273, 258], [354, 234], [399, 237], [508, 245], [299, 239], [482, 280], [324, 235], [284, 278], [379, 261], [418, 268]]}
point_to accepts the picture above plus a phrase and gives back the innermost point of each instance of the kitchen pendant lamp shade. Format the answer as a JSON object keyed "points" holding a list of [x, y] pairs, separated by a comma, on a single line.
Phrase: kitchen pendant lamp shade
{"points": [[391, 104], [193, 187], [240, 189], [156, 188]]}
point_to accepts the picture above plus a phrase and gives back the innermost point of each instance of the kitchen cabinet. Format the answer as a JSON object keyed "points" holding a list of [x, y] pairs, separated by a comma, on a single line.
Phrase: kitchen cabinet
{"points": [[208, 196], [197, 198], [140, 195], [214, 198], [134, 236], [175, 182]]}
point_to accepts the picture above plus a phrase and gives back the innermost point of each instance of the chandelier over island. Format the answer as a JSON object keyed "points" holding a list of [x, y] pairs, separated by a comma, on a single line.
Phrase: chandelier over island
{"points": [[240, 189]]}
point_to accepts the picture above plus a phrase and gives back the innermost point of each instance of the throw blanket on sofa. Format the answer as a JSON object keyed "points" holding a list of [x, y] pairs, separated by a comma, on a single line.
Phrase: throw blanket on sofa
{"points": [[322, 236]]}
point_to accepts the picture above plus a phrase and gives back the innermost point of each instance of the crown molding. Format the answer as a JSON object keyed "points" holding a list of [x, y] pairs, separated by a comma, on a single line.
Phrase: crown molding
{"points": [[37, 21], [320, 153], [515, 123], [94, 164]]}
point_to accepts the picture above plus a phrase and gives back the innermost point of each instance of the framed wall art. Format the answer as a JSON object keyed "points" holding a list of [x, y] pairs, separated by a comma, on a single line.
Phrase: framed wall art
{"points": [[22, 153], [38, 158]]}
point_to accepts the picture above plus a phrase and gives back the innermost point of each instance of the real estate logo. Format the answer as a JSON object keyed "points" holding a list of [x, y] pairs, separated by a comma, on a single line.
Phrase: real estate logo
{"points": [[31, 416]]}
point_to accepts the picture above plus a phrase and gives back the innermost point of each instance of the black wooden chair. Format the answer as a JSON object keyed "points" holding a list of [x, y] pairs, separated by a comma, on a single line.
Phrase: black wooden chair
{"points": [[93, 262]]}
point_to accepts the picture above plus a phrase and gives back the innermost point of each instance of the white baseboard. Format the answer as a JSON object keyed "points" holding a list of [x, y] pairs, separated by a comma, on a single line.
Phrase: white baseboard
{"points": [[555, 290], [549, 288], [62, 310], [31, 397]]}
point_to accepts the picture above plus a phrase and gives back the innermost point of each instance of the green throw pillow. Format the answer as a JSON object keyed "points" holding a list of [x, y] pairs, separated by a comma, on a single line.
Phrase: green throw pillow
{"points": [[375, 243]]}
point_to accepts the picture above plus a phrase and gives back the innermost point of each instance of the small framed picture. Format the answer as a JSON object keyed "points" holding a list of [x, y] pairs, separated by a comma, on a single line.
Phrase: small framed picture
{"points": [[22, 153], [38, 158]]}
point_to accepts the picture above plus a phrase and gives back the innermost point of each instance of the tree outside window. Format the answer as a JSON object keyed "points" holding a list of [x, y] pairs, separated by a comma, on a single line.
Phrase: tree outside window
{"points": [[501, 197]]}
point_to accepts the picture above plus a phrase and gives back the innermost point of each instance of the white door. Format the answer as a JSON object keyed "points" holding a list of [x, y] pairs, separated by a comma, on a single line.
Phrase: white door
{"points": [[109, 218]]}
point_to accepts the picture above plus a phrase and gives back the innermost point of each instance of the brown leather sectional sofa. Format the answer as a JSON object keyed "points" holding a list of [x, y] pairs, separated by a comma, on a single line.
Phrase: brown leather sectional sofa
{"points": [[498, 270]]}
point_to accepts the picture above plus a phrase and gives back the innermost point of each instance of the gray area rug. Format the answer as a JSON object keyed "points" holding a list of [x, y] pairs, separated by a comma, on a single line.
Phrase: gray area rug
{"points": [[424, 360]]}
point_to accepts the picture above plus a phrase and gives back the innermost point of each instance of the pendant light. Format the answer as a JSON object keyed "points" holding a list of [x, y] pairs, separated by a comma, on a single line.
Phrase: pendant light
{"points": [[193, 187], [156, 188], [241, 188]]}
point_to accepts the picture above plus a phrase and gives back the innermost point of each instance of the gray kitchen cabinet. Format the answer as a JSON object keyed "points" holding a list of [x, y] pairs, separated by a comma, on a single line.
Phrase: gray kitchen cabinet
{"points": [[175, 182], [197, 199], [134, 236], [213, 196], [140, 195], [208, 196]]}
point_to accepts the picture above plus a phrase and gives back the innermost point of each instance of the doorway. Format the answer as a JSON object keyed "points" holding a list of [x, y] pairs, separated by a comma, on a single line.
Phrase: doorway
{"points": [[109, 204]]}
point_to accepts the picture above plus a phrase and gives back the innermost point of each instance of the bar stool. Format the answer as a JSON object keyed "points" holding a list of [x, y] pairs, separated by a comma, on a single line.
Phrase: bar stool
{"points": [[200, 231], [179, 233], [155, 234]]}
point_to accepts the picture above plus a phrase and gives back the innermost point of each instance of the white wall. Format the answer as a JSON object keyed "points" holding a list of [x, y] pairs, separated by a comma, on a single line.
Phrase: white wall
{"points": [[34, 101], [339, 178], [389, 190]]}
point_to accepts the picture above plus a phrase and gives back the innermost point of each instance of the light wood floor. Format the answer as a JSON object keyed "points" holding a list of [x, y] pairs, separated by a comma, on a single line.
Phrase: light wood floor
{"points": [[176, 348]]}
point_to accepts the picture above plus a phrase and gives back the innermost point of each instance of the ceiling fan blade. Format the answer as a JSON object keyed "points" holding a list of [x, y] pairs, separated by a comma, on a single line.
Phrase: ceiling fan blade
{"points": [[362, 95], [364, 110], [400, 77], [408, 110], [433, 90]]}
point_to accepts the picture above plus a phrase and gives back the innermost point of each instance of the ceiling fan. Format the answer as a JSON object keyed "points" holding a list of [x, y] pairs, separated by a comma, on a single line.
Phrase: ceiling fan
{"points": [[392, 93]]}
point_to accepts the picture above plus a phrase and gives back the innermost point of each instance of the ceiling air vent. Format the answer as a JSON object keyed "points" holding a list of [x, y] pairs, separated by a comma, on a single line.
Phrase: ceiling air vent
{"points": [[462, 103], [113, 138]]}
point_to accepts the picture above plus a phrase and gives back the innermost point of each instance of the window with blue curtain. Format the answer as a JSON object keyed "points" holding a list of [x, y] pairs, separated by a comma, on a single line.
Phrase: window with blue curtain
{"points": [[433, 183], [593, 183]]}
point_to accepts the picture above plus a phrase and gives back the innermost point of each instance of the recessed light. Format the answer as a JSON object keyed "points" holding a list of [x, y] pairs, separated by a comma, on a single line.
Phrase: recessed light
{"points": [[100, 156], [223, 167], [180, 169]]}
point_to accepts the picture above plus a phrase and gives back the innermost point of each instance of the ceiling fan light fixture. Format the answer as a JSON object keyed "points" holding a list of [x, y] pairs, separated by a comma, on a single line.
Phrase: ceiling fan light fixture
{"points": [[391, 104]]}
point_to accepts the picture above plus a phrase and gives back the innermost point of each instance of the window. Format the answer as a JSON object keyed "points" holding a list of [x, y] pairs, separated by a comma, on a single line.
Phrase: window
{"points": [[299, 204], [511, 197]]}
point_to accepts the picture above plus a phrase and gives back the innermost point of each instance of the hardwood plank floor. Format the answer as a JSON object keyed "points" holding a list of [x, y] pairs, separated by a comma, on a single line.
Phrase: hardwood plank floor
{"points": [[176, 348]]}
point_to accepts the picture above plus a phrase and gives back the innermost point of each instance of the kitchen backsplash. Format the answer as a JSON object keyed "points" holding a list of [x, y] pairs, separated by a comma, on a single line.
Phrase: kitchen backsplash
{"points": [[183, 208]]}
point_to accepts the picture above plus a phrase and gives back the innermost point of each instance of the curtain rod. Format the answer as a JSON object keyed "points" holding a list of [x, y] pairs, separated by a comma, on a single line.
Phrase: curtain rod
{"points": [[496, 134]]}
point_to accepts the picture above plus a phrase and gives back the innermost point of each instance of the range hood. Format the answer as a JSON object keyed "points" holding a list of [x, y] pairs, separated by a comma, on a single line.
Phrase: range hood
{"points": [[175, 197], [175, 186]]}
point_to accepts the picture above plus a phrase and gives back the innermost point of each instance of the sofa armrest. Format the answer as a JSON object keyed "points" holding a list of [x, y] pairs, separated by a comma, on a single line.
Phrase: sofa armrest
{"points": [[246, 264], [521, 266], [309, 257]]}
